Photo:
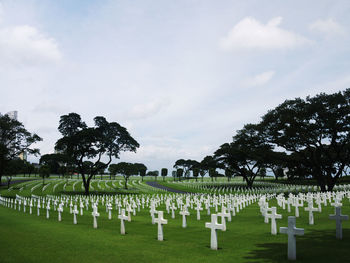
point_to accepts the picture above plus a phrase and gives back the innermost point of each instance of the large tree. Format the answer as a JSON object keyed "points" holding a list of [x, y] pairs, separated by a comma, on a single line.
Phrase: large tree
{"points": [[164, 173], [186, 165], [141, 169], [81, 143], [316, 131], [13, 167], [245, 155], [14, 140], [57, 162], [125, 169], [206, 164]]}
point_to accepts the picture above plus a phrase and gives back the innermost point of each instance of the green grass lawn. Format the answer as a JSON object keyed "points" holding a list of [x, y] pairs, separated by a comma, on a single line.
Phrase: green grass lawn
{"points": [[29, 238]]}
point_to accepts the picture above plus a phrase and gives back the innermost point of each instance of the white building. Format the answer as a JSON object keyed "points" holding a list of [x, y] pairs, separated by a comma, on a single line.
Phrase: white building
{"points": [[12, 114]]}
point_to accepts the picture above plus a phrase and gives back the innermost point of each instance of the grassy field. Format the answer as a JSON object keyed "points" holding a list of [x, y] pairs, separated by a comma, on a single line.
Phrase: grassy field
{"points": [[32, 238]]}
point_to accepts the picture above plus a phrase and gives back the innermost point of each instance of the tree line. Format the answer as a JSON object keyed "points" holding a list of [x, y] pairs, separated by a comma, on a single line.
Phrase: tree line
{"points": [[300, 138]]}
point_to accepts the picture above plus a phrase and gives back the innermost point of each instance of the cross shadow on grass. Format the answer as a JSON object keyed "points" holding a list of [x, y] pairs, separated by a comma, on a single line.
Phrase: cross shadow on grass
{"points": [[315, 246]]}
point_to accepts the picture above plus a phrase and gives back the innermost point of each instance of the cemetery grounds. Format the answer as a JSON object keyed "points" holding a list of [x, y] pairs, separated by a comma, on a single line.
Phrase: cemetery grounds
{"points": [[26, 237]]}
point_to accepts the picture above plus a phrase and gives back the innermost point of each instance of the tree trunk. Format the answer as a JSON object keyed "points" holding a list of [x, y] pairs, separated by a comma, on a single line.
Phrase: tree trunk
{"points": [[126, 183], [87, 186]]}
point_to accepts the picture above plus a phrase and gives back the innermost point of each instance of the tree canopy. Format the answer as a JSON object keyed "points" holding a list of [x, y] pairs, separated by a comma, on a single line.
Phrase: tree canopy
{"points": [[14, 140], [81, 143]]}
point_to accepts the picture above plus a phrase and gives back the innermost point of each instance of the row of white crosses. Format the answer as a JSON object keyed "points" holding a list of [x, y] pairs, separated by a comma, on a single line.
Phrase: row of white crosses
{"points": [[297, 201], [230, 205]]}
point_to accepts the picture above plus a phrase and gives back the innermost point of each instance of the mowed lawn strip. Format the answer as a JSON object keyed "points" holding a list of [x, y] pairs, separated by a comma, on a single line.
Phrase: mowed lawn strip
{"points": [[29, 238]]}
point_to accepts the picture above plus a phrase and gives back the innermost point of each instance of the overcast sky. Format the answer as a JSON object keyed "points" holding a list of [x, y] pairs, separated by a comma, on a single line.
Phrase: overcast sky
{"points": [[181, 76]]}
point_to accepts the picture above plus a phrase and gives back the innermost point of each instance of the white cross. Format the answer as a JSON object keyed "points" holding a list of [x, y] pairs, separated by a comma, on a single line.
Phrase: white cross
{"points": [[273, 216], [292, 231], [160, 221], [71, 207], [60, 210], [297, 205], [75, 213], [95, 214], [311, 209], [129, 209], [48, 210], [213, 225], [122, 217], [199, 208], [81, 208], [224, 214], [153, 211], [173, 208], [338, 217], [24, 206], [30, 206], [184, 213], [337, 202], [109, 207], [207, 206], [38, 209]]}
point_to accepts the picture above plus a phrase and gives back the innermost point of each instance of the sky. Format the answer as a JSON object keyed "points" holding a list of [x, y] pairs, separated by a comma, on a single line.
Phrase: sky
{"points": [[182, 76]]}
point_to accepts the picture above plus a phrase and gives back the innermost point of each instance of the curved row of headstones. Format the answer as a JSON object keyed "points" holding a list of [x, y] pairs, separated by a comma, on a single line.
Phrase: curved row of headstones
{"points": [[230, 205], [127, 205]]}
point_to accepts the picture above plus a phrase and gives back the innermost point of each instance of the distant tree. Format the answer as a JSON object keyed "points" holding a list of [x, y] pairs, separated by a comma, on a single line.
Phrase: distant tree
{"points": [[56, 162], [212, 173], [124, 168], [154, 174], [229, 173], [14, 140], [81, 143], [30, 168], [62, 171], [173, 174], [186, 165], [44, 172], [245, 155], [14, 167], [195, 172], [262, 173], [142, 173], [141, 169], [164, 173], [209, 163], [315, 129], [113, 169], [179, 173], [101, 169], [202, 173]]}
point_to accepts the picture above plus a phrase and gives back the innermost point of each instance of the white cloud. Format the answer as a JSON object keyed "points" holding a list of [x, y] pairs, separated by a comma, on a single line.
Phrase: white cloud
{"points": [[252, 34], [260, 79], [142, 111], [25, 45], [327, 27]]}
